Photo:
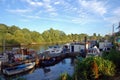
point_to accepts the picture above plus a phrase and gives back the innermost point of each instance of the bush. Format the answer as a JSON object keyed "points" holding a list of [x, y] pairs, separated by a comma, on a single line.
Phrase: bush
{"points": [[65, 76], [113, 56], [92, 68]]}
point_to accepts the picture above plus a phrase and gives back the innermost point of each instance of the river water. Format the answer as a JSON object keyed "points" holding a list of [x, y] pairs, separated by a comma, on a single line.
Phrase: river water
{"points": [[47, 73], [52, 72]]}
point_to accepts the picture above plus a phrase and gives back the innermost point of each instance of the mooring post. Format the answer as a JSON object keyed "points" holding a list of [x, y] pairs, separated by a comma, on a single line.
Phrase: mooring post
{"points": [[85, 46]]}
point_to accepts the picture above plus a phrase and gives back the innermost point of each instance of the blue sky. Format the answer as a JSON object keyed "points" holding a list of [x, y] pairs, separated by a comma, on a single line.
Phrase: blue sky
{"points": [[70, 16]]}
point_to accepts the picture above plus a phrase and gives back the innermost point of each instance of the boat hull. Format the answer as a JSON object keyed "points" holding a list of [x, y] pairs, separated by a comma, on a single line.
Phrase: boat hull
{"points": [[18, 69]]}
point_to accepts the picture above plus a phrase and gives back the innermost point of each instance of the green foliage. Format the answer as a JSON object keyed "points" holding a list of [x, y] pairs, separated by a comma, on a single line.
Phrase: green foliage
{"points": [[36, 37], [3, 27], [113, 56], [53, 36], [19, 36], [65, 76], [94, 67], [12, 29], [13, 35]]}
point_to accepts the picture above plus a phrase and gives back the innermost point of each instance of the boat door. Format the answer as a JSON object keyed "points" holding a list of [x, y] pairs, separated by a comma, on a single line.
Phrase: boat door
{"points": [[72, 48]]}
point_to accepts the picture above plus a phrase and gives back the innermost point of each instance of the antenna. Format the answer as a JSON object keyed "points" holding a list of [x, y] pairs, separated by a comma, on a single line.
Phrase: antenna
{"points": [[113, 29], [118, 27]]}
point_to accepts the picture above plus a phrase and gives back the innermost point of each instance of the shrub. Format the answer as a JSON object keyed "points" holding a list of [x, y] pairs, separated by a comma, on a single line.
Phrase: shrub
{"points": [[113, 56], [92, 68], [65, 76]]}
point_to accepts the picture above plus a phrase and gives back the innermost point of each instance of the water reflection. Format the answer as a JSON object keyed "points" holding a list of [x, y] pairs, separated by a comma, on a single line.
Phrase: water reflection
{"points": [[19, 75], [63, 61], [52, 72], [72, 61], [47, 73], [46, 69]]}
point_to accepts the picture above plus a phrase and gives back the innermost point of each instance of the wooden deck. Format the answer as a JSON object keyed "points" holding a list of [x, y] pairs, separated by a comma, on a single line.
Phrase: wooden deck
{"points": [[48, 56], [42, 57]]}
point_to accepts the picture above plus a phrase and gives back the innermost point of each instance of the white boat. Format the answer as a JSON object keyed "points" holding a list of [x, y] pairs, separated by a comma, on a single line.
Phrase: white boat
{"points": [[18, 69], [54, 49], [94, 52]]}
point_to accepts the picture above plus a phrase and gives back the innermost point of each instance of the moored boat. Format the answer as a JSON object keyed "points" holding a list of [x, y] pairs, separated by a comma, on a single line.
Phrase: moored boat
{"points": [[54, 49], [18, 69]]}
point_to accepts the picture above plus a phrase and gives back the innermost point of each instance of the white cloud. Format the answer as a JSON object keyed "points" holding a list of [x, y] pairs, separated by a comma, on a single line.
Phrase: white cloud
{"points": [[78, 20], [114, 17], [53, 14], [34, 3], [43, 4], [83, 21], [24, 20], [94, 6], [56, 3], [67, 19], [31, 17], [37, 6], [47, 1], [117, 11], [18, 10], [66, 7], [49, 8], [39, 12]]}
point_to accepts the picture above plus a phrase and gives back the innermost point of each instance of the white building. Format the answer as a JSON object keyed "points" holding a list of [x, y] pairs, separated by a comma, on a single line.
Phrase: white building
{"points": [[105, 45], [77, 47]]}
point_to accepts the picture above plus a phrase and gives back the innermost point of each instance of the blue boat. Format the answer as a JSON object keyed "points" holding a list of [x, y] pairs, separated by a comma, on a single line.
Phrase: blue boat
{"points": [[18, 69]]}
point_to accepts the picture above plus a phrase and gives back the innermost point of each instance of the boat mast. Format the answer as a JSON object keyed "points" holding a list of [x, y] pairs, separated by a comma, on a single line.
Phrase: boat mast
{"points": [[3, 43], [85, 45]]}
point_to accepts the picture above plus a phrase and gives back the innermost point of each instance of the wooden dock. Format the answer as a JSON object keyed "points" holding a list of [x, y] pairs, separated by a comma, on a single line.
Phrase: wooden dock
{"points": [[41, 58], [52, 59], [60, 55]]}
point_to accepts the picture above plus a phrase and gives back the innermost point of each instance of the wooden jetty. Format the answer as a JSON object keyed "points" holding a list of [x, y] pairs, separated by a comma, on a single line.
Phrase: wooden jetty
{"points": [[42, 59], [52, 59], [60, 55]]}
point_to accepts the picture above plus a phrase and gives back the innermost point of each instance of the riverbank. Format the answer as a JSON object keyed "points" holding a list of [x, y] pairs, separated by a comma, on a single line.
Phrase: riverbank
{"points": [[42, 43]]}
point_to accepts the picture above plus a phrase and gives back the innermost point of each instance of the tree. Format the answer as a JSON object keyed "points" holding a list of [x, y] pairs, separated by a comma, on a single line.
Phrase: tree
{"points": [[19, 37], [3, 27], [36, 37], [27, 36], [24, 36], [94, 36], [13, 28], [54, 36]]}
